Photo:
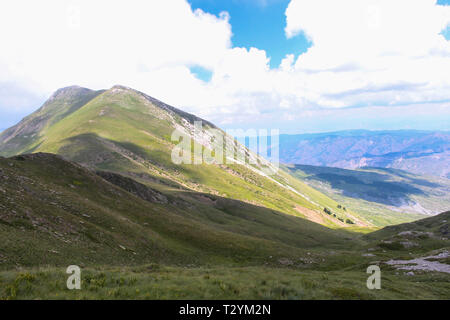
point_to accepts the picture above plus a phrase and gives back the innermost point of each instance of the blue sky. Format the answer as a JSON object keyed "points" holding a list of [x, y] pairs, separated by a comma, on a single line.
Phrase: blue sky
{"points": [[296, 65], [258, 24], [446, 33], [261, 24]]}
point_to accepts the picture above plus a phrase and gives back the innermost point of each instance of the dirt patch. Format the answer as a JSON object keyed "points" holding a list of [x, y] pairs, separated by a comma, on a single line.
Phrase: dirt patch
{"points": [[310, 214]]}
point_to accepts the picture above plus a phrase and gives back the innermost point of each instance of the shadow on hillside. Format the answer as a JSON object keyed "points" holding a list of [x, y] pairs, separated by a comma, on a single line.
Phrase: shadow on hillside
{"points": [[101, 153], [408, 176], [370, 186], [252, 220], [227, 214]]}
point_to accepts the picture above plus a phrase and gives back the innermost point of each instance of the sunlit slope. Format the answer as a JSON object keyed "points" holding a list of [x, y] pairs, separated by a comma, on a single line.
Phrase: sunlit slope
{"points": [[53, 212], [437, 227], [384, 196], [24, 136], [125, 131]]}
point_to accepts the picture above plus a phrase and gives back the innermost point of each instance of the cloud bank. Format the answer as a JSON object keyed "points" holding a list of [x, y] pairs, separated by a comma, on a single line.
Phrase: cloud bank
{"points": [[364, 53]]}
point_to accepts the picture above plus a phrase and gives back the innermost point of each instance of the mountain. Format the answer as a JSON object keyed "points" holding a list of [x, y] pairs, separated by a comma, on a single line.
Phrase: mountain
{"points": [[61, 104], [53, 211], [89, 180], [378, 192], [421, 152], [124, 131], [433, 227], [135, 242]]}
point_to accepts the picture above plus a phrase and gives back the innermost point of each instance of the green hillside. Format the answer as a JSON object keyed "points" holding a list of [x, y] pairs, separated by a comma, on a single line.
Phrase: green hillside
{"points": [[125, 131], [383, 196], [25, 134], [134, 242], [88, 180], [433, 227], [54, 212]]}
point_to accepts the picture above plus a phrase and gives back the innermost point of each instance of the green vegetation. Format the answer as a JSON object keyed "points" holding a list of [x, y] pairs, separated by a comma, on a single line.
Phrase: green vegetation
{"points": [[159, 282], [95, 187], [46, 218], [381, 196], [431, 232], [213, 248], [122, 130]]}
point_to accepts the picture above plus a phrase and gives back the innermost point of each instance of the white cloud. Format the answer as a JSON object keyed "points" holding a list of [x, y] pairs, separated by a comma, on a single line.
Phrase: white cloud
{"points": [[52, 43], [365, 52], [373, 44]]}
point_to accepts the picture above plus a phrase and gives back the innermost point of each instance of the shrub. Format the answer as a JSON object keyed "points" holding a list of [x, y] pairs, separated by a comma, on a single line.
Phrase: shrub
{"points": [[391, 245]]}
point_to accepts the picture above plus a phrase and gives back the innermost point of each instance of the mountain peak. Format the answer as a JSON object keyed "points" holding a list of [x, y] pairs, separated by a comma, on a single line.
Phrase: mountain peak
{"points": [[69, 91], [121, 87]]}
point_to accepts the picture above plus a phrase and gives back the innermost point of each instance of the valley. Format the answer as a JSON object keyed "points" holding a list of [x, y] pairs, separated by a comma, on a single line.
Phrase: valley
{"points": [[419, 152], [88, 180], [385, 196]]}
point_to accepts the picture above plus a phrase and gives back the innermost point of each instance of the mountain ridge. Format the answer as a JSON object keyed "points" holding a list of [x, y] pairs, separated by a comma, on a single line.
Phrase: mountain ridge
{"points": [[417, 151], [125, 131], [96, 187]]}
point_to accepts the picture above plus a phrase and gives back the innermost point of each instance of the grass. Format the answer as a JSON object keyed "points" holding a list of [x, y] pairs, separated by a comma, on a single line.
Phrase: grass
{"points": [[225, 231], [57, 214], [381, 196], [161, 282], [55, 210], [122, 131]]}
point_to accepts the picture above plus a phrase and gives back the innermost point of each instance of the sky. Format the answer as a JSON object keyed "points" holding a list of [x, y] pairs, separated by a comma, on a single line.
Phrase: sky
{"points": [[293, 65]]}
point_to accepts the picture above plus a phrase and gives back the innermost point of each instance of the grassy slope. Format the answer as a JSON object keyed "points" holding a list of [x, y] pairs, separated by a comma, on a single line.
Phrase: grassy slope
{"points": [[121, 131], [439, 225], [54, 212], [383, 196], [159, 282], [202, 244], [25, 136]]}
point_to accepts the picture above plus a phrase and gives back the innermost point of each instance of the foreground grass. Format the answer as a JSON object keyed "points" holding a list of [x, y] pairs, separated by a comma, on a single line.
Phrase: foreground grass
{"points": [[157, 282]]}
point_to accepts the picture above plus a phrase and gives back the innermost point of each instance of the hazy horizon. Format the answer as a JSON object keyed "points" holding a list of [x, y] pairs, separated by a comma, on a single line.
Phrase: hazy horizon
{"points": [[321, 124]]}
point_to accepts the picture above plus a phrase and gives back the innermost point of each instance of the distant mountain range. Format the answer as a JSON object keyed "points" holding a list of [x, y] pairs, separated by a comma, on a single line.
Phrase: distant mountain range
{"points": [[422, 152]]}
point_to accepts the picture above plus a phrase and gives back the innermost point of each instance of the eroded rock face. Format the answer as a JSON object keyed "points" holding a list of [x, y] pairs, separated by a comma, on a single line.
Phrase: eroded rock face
{"points": [[134, 187]]}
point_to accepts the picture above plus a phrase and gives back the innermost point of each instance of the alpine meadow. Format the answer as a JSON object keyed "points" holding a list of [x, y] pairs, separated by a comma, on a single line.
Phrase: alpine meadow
{"points": [[224, 159], [88, 180]]}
